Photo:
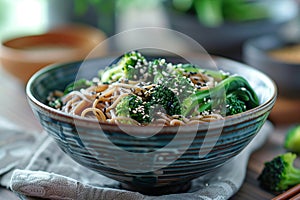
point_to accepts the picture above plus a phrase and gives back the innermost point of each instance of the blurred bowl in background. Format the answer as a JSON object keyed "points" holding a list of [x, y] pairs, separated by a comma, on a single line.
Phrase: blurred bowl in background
{"points": [[227, 39], [23, 56], [278, 57]]}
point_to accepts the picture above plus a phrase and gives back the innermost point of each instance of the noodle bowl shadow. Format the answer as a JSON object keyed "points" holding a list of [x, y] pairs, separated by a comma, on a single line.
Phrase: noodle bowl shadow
{"points": [[82, 139]]}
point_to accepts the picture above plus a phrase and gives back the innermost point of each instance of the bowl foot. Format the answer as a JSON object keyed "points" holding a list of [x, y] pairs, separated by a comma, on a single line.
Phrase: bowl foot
{"points": [[156, 191]]}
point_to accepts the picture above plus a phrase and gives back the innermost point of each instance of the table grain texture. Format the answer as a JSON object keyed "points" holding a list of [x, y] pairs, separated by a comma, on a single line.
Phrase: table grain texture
{"points": [[286, 112]]}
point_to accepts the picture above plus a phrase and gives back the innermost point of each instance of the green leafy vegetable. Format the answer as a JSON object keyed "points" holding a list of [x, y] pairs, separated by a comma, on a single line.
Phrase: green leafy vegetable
{"points": [[235, 86], [77, 85], [234, 102], [190, 69]]}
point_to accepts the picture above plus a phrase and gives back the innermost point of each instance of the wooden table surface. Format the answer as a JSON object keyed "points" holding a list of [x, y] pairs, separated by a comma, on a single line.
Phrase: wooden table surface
{"points": [[14, 107]]}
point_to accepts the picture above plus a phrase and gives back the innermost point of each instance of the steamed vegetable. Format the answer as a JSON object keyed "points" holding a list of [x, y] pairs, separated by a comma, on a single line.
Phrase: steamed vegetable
{"points": [[234, 91], [292, 140], [134, 107], [77, 85], [156, 88], [162, 96], [131, 66], [279, 174]]}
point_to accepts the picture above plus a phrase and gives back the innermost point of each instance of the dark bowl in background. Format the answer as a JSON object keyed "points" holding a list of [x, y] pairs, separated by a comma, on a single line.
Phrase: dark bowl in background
{"points": [[285, 74], [227, 39]]}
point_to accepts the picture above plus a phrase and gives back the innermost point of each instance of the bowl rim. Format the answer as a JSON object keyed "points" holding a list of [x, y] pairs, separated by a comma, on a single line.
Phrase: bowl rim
{"points": [[78, 38], [86, 122]]}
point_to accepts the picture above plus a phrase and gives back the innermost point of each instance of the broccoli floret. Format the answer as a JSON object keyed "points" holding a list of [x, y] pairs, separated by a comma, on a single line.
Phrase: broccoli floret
{"points": [[180, 85], [292, 139], [111, 73], [163, 96], [132, 66], [233, 85], [134, 107], [157, 70], [135, 65], [56, 103], [234, 102], [279, 174], [77, 85]]}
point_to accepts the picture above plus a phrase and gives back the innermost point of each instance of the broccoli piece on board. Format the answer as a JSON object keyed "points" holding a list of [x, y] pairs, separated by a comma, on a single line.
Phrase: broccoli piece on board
{"points": [[279, 174]]}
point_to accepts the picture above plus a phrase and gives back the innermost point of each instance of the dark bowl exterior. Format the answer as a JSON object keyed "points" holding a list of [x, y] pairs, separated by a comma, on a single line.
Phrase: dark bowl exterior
{"points": [[81, 138]]}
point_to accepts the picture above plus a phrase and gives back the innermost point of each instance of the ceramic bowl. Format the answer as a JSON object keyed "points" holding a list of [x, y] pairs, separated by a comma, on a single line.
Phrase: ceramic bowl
{"points": [[285, 74], [115, 152], [25, 55]]}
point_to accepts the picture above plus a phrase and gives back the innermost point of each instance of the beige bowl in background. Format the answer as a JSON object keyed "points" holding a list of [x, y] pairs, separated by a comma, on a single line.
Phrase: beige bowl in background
{"points": [[23, 56]]}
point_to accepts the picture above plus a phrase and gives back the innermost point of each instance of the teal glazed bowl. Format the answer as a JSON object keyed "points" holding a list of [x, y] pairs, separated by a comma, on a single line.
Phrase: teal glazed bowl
{"points": [[147, 159]]}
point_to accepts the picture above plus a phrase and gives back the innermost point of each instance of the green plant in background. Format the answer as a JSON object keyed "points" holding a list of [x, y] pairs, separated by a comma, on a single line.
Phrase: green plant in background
{"points": [[2, 11], [215, 12], [107, 10], [108, 6]]}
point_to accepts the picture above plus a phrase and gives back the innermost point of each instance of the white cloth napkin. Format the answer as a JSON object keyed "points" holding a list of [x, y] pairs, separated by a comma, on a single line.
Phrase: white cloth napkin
{"points": [[51, 174]]}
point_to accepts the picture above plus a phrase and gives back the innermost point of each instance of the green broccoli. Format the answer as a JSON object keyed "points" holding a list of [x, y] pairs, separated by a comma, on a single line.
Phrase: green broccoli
{"points": [[161, 99], [279, 174], [55, 103], [180, 85], [235, 103], [165, 97], [132, 66], [77, 85], [228, 88], [292, 139], [157, 70], [134, 107]]}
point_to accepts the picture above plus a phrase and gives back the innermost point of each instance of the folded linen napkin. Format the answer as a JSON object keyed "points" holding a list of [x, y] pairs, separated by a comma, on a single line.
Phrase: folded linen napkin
{"points": [[51, 174], [15, 145]]}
